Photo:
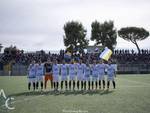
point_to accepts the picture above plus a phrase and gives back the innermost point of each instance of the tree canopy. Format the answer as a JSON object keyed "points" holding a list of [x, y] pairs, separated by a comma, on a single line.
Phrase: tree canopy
{"points": [[75, 37], [133, 34], [104, 34]]}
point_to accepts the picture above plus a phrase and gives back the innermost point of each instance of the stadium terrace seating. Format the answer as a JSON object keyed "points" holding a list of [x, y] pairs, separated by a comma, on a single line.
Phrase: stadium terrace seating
{"points": [[119, 56]]}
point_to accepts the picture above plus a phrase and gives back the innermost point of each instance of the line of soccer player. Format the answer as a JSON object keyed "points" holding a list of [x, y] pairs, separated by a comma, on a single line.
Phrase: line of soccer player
{"points": [[78, 73]]}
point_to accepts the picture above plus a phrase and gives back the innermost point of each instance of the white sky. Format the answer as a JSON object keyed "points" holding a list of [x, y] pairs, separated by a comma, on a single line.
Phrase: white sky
{"points": [[38, 24]]}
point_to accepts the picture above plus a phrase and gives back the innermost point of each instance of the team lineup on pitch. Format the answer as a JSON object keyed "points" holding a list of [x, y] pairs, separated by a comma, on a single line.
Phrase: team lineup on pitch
{"points": [[73, 75]]}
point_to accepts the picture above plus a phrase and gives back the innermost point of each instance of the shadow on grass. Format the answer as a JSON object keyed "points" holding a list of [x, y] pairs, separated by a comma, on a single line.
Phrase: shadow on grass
{"points": [[65, 93]]}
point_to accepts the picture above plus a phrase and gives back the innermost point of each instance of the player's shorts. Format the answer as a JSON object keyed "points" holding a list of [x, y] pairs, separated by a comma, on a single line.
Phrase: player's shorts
{"points": [[94, 78], [80, 77], [87, 78], [64, 78], [48, 76], [101, 77], [110, 78], [31, 80], [55, 78], [72, 77], [39, 78]]}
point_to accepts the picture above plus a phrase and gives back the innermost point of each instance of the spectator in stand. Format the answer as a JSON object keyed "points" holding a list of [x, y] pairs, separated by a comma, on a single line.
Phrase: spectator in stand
{"points": [[121, 56]]}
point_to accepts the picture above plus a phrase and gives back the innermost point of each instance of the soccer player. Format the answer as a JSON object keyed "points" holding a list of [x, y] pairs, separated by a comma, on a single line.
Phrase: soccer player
{"points": [[63, 73], [56, 70], [31, 75], [48, 73], [111, 73], [101, 73], [72, 74], [94, 74], [87, 75], [80, 74], [39, 74]]}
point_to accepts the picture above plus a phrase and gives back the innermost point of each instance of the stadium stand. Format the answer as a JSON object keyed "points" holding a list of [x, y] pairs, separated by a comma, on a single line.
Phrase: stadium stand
{"points": [[128, 61]]}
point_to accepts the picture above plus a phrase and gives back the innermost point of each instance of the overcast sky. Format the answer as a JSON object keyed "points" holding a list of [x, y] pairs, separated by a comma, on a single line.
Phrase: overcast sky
{"points": [[38, 24]]}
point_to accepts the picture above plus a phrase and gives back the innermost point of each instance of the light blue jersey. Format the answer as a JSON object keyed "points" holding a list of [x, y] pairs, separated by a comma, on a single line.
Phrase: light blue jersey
{"points": [[80, 69], [40, 70], [64, 70], [87, 71], [95, 70], [32, 71], [110, 71], [72, 69], [101, 69], [55, 69]]}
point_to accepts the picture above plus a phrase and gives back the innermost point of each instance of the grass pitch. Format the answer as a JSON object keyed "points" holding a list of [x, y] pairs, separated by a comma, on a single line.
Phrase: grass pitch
{"points": [[132, 95]]}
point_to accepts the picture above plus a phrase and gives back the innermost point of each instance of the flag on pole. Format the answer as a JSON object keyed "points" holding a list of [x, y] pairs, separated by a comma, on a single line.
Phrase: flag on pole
{"points": [[106, 54]]}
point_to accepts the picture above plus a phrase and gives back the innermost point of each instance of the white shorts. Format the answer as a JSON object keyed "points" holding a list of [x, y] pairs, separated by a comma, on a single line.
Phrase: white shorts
{"points": [[94, 78], [110, 78], [55, 78], [64, 78], [101, 77], [31, 80], [81, 77], [72, 77], [87, 78], [39, 78]]}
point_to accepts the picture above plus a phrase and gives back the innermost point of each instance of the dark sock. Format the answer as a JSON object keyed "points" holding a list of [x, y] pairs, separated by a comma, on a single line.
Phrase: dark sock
{"points": [[57, 85], [84, 85], [104, 84], [73, 85], [61, 84], [96, 84], [70, 85], [41, 85], [100, 84], [66, 84], [114, 84], [108, 83], [29, 86], [33, 85], [89, 85], [92, 84]]}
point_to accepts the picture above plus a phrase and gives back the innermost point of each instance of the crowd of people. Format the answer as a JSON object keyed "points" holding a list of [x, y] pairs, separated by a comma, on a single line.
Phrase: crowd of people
{"points": [[118, 56], [131, 57]]}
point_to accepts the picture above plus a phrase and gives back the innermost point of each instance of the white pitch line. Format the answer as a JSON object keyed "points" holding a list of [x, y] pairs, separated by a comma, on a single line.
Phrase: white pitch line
{"points": [[135, 81]]}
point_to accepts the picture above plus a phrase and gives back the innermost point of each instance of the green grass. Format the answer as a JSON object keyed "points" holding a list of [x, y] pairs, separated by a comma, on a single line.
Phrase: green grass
{"points": [[132, 95]]}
